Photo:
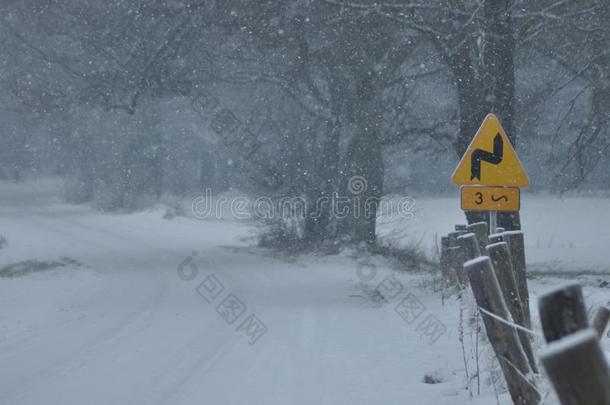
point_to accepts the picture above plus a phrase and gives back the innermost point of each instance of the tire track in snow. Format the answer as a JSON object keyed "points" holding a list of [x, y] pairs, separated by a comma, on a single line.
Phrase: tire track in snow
{"points": [[121, 333]]}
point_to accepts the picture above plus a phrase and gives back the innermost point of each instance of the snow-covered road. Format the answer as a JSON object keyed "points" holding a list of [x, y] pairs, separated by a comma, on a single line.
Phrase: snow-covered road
{"points": [[140, 309], [129, 325]]}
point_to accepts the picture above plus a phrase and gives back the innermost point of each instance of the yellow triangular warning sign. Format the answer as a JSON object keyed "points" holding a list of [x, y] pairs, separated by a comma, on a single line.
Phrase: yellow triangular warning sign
{"points": [[490, 159]]}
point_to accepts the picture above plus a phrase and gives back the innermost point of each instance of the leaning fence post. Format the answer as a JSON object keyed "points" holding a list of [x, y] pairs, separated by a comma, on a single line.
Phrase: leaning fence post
{"points": [[480, 230], [500, 258], [454, 235], [495, 238], [447, 260], [600, 320], [502, 334], [457, 256], [577, 369], [516, 246], [470, 244], [562, 312]]}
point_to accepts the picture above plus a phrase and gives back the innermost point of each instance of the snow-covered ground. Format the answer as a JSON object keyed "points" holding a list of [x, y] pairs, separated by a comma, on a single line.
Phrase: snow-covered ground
{"points": [[139, 309]]}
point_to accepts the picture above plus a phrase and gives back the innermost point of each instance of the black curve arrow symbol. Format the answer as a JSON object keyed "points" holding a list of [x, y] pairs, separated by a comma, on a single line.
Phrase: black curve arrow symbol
{"points": [[480, 155], [502, 197]]}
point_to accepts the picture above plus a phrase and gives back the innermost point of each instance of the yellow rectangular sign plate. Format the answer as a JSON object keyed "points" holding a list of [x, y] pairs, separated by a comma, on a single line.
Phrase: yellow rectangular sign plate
{"points": [[479, 198]]}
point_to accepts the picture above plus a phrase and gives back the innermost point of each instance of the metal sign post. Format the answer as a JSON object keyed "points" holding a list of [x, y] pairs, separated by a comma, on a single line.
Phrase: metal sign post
{"points": [[493, 222]]}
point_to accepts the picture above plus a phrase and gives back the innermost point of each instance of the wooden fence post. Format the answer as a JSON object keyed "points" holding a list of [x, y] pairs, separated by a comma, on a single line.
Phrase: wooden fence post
{"points": [[562, 312], [470, 244], [450, 276], [516, 245], [453, 237], [480, 230], [577, 369], [502, 336], [457, 256], [600, 320], [501, 261], [495, 238]]}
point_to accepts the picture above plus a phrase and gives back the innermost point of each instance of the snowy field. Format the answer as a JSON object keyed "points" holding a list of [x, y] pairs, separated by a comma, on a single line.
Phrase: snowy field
{"points": [[117, 309], [561, 234]]}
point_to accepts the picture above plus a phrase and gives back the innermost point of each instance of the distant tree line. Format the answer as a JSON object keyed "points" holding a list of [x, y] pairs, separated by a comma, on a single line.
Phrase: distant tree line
{"points": [[130, 99]]}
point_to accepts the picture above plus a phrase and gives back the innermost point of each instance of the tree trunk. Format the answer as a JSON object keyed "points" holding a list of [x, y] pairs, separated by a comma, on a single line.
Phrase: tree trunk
{"points": [[498, 68], [318, 217], [592, 144], [498, 77], [471, 110], [363, 163], [487, 86]]}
